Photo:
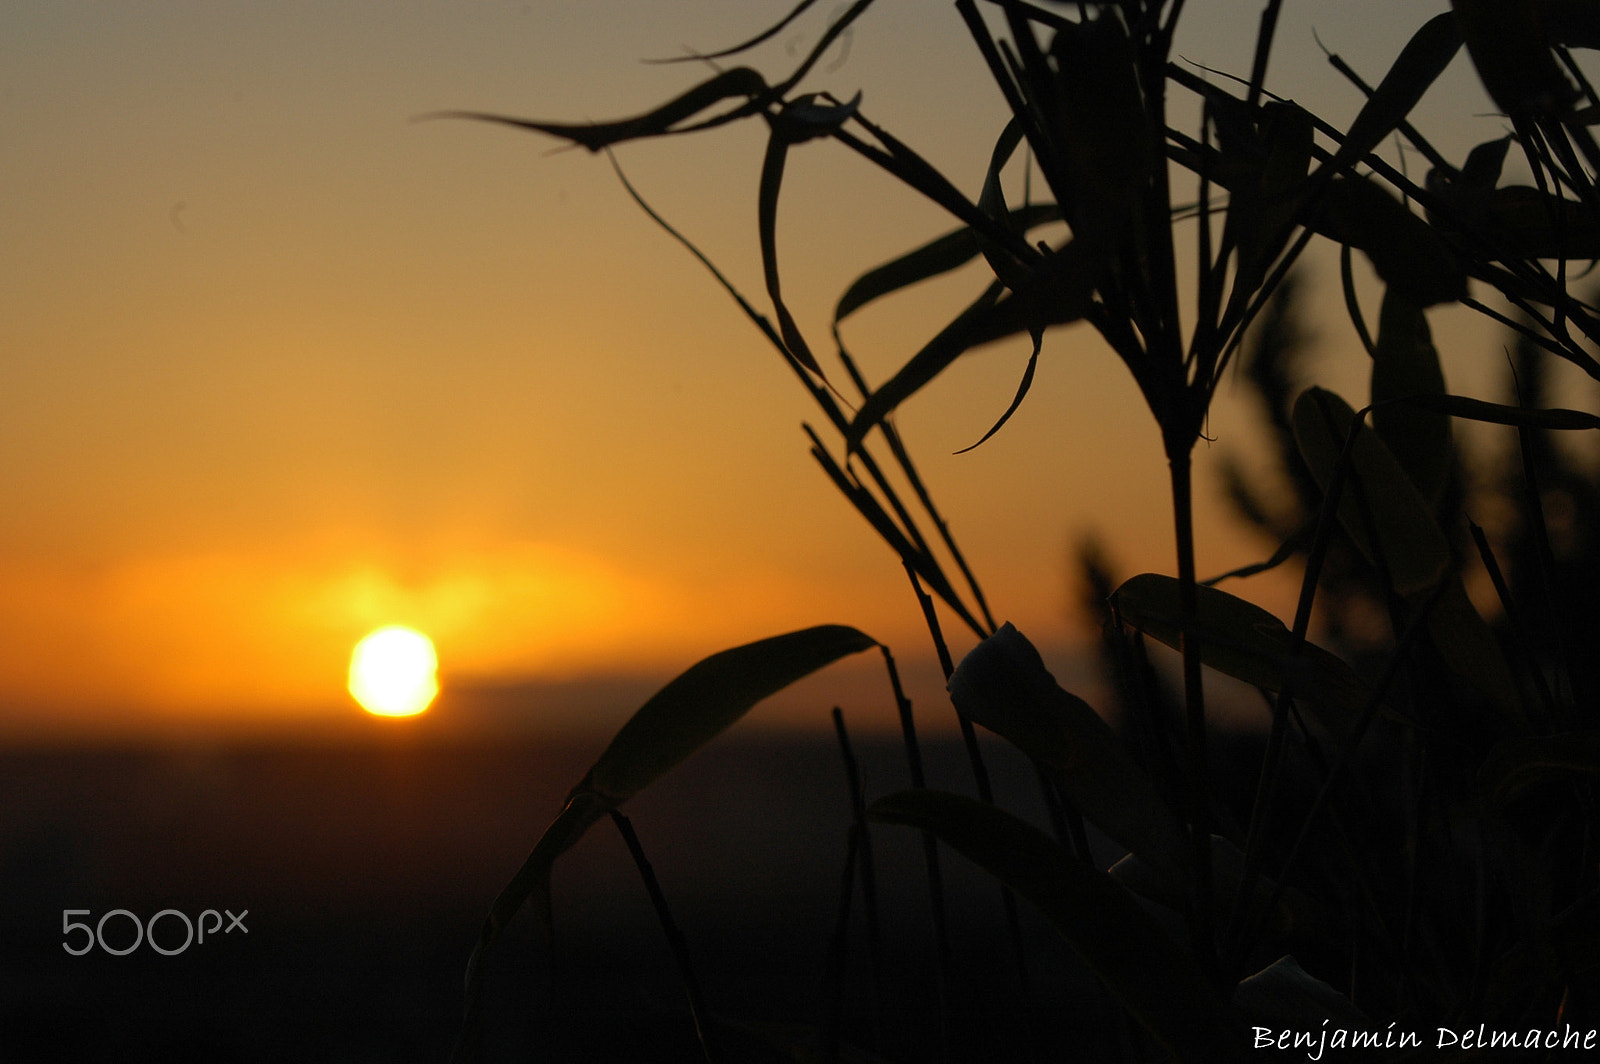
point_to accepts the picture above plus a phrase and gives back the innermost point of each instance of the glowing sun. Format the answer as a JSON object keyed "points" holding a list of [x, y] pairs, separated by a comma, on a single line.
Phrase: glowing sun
{"points": [[392, 672]]}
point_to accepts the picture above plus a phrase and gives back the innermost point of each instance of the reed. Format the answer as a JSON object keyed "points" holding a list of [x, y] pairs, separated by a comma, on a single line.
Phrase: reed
{"points": [[1418, 851]]}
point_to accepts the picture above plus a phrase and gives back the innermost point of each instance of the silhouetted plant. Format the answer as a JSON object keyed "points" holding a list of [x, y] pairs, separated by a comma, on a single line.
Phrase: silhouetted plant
{"points": [[1419, 846]]}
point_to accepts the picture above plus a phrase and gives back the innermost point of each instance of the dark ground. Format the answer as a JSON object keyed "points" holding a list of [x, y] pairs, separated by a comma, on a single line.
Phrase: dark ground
{"points": [[367, 868]]}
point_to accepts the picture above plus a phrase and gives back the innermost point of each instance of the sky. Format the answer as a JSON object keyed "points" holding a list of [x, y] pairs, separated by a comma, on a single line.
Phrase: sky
{"points": [[280, 363]]}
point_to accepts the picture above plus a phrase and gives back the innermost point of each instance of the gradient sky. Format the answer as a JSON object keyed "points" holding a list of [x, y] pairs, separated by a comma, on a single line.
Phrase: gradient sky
{"points": [[281, 365]]}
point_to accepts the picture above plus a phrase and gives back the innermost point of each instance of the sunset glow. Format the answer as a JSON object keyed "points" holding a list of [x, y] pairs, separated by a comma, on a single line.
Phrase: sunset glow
{"points": [[392, 672]]}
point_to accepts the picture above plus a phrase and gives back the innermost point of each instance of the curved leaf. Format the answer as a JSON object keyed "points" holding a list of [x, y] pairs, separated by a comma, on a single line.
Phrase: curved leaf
{"points": [[694, 708], [1052, 297], [1154, 977], [1003, 685], [676, 721], [1016, 400]]}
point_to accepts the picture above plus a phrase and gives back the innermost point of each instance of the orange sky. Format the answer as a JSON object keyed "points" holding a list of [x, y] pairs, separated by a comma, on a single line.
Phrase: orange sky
{"points": [[281, 366]]}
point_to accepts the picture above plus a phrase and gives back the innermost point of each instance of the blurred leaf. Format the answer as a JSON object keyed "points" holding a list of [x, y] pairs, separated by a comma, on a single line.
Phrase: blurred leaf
{"points": [[677, 720], [1155, 978], [1242, 640], [1515, 765], [1405, 363], [1416, 68], [1509, 47], [1003, 685], [1414, 551], [949, 252], [1289, 997], [1410, 547], [740, 81], [1469, 647], [1406, 251]]}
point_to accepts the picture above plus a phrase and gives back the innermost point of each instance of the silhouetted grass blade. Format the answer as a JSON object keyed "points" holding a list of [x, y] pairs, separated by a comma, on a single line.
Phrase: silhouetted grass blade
{"points": [[1153, 976], [1051, 297], [798, 122]]}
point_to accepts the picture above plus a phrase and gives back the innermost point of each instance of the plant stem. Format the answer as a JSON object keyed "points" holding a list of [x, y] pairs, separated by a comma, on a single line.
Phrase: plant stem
{"points": [[680, 948], [1200, 916]]}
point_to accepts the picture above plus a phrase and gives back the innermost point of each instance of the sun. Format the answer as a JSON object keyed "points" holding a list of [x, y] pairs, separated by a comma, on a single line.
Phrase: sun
{"points": [[392, 672]]}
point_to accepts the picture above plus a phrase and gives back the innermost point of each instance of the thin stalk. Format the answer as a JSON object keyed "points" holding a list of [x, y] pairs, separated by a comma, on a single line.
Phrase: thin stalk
{"points": [[680, 949], [1200, 915], [833, 996], [864, 864], [930, 851], [980, 773]]}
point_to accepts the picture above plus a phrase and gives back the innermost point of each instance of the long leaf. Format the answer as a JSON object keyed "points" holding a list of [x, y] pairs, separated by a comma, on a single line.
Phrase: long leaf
{"points": [[799, 121], [1507, 42], [740, 81], [676, 721], [1416, 68], [1461, 406], [939, 256], [1154, 977], [1003, 685]]}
